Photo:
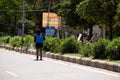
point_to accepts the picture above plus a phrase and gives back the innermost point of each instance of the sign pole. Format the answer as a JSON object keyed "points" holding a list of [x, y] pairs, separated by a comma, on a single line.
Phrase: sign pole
{"points": [[48, 20]]}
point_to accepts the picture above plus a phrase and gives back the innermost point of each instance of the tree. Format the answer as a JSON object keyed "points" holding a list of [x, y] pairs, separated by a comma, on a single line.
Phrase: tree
{"points": [[9, 18], [89, 10], [34, 16], [102, 11], [66, 10], [116, 30], [110, 8]]}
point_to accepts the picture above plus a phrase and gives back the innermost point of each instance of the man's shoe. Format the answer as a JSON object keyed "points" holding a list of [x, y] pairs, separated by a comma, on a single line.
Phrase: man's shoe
{"points": [[37, 59]]}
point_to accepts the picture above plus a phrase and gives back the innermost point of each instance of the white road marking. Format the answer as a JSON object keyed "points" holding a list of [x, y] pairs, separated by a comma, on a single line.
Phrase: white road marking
{"points": [[97, 70], [11, 73]]}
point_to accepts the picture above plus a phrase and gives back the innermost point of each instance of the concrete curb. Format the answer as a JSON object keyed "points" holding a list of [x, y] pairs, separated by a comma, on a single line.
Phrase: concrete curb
{"points": [[83, 61]]}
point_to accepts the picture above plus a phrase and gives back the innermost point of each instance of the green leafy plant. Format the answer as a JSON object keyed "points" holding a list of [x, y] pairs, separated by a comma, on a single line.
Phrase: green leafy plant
{"points": [[47, 43], [99, 49], [4, 40], [69, 45], [113, 49], [55, 45], [15, 41], [85, 49], [27, 41]]}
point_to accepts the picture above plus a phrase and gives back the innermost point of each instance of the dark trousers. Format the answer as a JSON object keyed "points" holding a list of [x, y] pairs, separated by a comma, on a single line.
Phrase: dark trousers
{"points": [[39, 50], [38, 53]]}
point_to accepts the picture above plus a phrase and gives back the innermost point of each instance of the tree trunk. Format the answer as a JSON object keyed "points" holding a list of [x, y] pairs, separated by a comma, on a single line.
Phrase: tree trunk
{"points": [[90, 32], [110, 29], [111, 34]]}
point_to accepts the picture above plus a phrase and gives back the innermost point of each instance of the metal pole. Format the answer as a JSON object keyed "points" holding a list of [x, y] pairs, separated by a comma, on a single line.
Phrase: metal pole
{"points": [[49, 2], [23, 19], [48, 13]]}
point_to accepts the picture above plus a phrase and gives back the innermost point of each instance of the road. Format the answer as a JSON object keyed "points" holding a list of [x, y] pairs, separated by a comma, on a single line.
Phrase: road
{"points": [[17, 66]]}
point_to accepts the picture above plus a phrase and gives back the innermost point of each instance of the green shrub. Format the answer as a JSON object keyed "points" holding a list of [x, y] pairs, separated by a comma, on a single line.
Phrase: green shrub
{"points": [[113, 49], [69, 45], [15, 41], [47, 43], [99, 49], [27, 41], [55, 45], [85, 49], [1, 41], [4, 40]]}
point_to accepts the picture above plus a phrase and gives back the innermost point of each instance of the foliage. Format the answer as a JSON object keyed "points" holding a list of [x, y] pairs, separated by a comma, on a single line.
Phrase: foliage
{"points": [[15, 41], [9, 18], [85, 49], [79, 13], [99, 49], [100, 11], [69, 45], [47, 43], [88, 9], [27, 41], [55, 45], [4, 40], [51, 44], [66, 9], [10, 15], [113, 49], [116, 30], [103, 49]]}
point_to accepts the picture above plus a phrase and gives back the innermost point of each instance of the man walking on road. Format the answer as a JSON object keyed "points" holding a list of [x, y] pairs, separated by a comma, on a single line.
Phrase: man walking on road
{"points": [[39, 39]]}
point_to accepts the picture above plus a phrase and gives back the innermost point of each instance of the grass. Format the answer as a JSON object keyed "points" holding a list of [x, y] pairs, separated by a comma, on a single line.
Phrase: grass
{"points": [[114, 61], [73, 54], [79, 55]]}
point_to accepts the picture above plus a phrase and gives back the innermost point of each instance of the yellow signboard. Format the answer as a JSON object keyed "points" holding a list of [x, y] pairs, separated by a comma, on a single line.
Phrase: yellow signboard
{"points": [[51, 19]]}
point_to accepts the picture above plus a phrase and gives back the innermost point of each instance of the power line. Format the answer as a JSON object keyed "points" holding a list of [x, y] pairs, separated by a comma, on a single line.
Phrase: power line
{"points": [[25, 10]]}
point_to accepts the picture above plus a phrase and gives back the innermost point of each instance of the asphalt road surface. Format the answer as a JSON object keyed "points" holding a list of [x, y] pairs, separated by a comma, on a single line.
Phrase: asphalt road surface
{"points": [[17, 66]]}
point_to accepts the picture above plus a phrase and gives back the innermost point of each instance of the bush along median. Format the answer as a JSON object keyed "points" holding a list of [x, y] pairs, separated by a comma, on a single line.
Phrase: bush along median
{"points": [[103, 49], [17, 41]]}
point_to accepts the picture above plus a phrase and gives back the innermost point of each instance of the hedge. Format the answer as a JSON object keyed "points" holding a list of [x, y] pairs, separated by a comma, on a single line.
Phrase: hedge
{"points": [[69, 45], [4, 40], [15, 41], [113, 49], [27, 41], [103, 49], [86, 49], [99, 49]]}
